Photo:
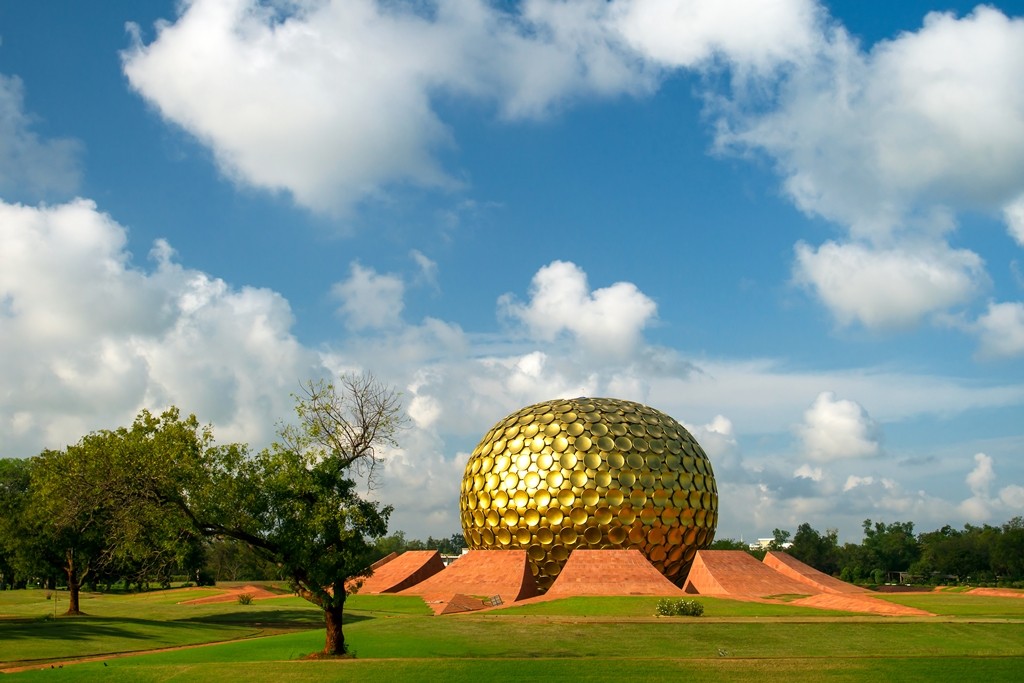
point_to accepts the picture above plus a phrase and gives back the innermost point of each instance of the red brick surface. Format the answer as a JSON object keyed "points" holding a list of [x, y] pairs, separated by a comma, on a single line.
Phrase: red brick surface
{"points": [[819, 582], [403, 571], [482, 573], [735, 572], [610, 572]]}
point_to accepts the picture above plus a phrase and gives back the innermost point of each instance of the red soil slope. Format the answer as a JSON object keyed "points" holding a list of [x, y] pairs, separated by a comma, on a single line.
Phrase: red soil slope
{"points": [[819, 582], [734, 573], [485, 573], [610, 572], [404, 571]]}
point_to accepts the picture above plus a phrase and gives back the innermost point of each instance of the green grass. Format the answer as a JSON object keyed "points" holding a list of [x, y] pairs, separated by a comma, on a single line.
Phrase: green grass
{"points": [[960, 604], [586, 639]]}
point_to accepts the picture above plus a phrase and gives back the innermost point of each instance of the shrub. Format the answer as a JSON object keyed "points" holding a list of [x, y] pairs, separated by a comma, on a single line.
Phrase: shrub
{"points": [[245, 598], [679, 607]]}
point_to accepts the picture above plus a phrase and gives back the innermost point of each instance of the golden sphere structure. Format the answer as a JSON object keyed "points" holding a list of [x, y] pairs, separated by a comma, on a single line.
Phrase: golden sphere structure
{"points": [[590, 473]]}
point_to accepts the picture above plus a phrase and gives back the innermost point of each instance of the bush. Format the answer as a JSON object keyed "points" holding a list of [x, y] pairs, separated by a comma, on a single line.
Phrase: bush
{"points": [[245, 598], [679, 607]]}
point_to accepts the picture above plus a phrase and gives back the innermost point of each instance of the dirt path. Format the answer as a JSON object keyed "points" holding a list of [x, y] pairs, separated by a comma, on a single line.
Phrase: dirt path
{"points": [[231, 595]]}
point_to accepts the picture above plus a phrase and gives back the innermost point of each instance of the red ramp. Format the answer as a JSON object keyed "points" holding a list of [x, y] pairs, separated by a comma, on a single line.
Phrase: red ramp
{"points": [[735, 572], [610, 572], [404, 571], [504, 574], [819, 582]]}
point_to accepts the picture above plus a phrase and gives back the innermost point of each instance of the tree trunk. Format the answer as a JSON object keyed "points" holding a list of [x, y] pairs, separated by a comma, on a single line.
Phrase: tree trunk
{"points": [[73, 584], [335, 642]]}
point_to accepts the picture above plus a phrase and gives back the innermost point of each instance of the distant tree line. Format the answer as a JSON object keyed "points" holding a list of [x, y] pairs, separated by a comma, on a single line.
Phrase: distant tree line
{"points": [[976, 555], [397, 543]]}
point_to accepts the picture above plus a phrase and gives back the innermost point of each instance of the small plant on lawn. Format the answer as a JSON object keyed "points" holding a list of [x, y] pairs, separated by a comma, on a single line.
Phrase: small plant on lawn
{"points": [[679, 607], [246, 598]]}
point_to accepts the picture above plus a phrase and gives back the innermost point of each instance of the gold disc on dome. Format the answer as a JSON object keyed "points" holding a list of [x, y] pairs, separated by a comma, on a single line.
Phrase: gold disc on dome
{"points": [[598, 429], [567, 460], [545, 536], [574, 429], [603, 515], [614, 498], [616, 460], [583, 443], [531, 518], [592, 535], [553, 429], [592, 460]]}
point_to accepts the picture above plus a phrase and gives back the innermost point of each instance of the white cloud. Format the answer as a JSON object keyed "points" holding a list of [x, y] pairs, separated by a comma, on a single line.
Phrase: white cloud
{"points": [[837, 428], [332, 101], [980, 479], [888, 288], [87, 339], [32, 168], [607, 321], [1000, 330], [370, 300], [805, 471], [758, 35], [1013, 214], [929, 118], [982, 506]]}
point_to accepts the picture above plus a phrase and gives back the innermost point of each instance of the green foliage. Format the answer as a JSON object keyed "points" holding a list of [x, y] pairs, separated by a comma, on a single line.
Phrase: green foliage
{"points": [[679, 607], [817, 550], [246, 598], [780, 538]]}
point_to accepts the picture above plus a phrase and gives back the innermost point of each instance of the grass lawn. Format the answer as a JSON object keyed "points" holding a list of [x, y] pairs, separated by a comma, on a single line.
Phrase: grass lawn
{"points": [[587, 639]]}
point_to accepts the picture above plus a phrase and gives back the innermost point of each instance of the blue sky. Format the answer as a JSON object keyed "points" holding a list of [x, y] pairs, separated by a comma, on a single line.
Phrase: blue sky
{"points": [[796, 227]]}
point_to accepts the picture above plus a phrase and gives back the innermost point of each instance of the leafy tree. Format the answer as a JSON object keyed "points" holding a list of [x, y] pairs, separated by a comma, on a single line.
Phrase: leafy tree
{"points": [[728, 544], [890, 547], [90, 514], [817, 550], [1007, 553], [780, 538], [296, 503], [15, 478]]}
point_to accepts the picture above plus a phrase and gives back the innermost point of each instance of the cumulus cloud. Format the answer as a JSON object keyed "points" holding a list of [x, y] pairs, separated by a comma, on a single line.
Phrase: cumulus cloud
{"points": [[1000, 330], [32, 168], [835, 429], [928, 118], [334, 102], [370, 300], [887, 288], [1013, 214], [982, 505], [87, 338], [606, 321]]}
